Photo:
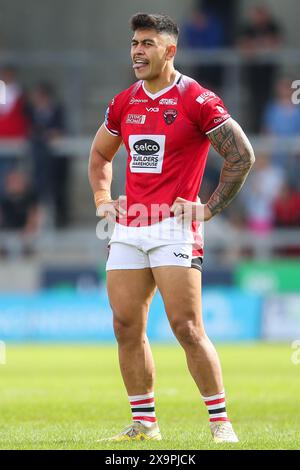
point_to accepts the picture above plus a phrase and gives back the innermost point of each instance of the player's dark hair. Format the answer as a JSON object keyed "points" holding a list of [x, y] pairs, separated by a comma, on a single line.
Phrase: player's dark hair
{"points": [[160, 23]]}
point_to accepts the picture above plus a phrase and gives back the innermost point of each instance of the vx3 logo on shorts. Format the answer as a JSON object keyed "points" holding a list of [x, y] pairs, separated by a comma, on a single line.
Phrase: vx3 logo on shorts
{"points": [[181, 255]]}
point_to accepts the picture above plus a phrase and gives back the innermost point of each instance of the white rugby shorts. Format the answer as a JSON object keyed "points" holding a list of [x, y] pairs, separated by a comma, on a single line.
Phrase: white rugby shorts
{"points": [[166, 243]]}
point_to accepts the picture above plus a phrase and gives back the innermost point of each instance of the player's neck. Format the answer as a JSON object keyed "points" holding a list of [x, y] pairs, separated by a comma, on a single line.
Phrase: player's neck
{"points": [[165, 80]]}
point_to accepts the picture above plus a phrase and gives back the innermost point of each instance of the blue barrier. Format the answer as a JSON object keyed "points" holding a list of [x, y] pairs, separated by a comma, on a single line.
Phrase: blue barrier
{"points": [[229, 315]]}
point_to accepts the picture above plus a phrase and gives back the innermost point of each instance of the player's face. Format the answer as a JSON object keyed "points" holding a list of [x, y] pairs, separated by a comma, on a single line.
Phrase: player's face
{"points": [[150, 51]]}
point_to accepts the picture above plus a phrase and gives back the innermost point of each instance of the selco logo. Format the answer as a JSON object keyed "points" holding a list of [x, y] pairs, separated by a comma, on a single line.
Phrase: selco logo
{"points": [[146, 147]]}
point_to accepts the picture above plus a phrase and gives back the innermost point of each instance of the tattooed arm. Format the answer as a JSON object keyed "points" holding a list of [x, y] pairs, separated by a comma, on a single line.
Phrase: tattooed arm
{"points": [[232, 144]]}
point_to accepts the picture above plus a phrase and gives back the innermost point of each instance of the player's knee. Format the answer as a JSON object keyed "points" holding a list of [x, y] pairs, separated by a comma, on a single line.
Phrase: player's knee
{"points": [[126, 331], [187, 332], [122, 329]]}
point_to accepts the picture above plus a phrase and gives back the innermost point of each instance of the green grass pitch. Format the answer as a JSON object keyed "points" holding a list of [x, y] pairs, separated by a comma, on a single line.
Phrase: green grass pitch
{"points": [[67, 397]]}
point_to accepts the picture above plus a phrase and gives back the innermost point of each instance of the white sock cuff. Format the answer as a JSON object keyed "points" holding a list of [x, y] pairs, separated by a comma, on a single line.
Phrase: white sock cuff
{"points": [[141, 397], [215, 397]]}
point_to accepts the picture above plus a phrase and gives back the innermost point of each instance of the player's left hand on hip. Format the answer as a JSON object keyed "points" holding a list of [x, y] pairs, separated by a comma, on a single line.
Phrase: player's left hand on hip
{"points": [[189, 211]]}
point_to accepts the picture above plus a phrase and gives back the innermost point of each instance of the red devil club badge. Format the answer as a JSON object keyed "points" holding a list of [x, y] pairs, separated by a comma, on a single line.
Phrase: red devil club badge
{"points": [[170, 115]]}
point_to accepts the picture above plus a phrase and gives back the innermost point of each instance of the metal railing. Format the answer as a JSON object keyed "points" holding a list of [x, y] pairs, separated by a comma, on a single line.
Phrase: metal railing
{"points": [[77, 65], [79, 146], [81, 244]]}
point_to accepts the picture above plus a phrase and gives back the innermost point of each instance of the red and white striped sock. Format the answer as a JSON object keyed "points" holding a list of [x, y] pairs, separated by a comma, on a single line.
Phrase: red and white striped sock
{"points": [[143, 408], [216, 407]]}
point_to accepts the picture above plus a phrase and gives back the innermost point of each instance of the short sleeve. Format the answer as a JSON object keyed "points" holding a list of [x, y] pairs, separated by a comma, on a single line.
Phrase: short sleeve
{"points": [[112, 119], [213, 113]]}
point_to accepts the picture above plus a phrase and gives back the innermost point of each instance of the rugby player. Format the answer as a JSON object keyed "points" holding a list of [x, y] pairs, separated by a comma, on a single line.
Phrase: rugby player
{"points": [[167, 122]]}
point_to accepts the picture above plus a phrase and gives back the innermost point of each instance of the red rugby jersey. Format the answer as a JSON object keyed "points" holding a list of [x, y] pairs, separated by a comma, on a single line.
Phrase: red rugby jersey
{"points": [[165, 135]]}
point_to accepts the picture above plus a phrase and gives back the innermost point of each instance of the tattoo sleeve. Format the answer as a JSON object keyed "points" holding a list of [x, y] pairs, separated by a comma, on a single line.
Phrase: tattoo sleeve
{"points": [[232, 144]]}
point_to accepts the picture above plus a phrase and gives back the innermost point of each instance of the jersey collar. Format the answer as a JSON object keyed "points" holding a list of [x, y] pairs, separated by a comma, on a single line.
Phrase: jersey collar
{"points": [[153, 96]]}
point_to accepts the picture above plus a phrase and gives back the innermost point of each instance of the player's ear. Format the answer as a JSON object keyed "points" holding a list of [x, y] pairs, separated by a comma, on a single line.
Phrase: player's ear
{"points": [[171, 51]]}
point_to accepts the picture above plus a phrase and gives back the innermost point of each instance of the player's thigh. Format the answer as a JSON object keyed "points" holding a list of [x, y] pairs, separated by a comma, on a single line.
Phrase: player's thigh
{"points": [[128, 289], [130, 293], [130, 283], [180, 288]]}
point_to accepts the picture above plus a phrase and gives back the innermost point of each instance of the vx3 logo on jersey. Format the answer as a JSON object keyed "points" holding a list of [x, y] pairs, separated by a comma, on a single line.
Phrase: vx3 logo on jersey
{"points": [[181, 255], [152, 110]]}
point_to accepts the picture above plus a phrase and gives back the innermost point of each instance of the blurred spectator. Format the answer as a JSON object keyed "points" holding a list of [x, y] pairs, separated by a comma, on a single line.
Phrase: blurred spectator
{"points": [[261, 34], [204, 30], [211, 178], [13, 121], [261, 31], [282, 119], [281, 116], [227, 12], [19, 211], [286, 208], [286, 215], [50, 170], [261, 189]]}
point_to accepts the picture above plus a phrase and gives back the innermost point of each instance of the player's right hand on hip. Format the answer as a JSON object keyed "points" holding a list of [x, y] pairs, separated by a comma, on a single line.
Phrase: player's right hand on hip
{"points": [[111, 209], [188, 211]]}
